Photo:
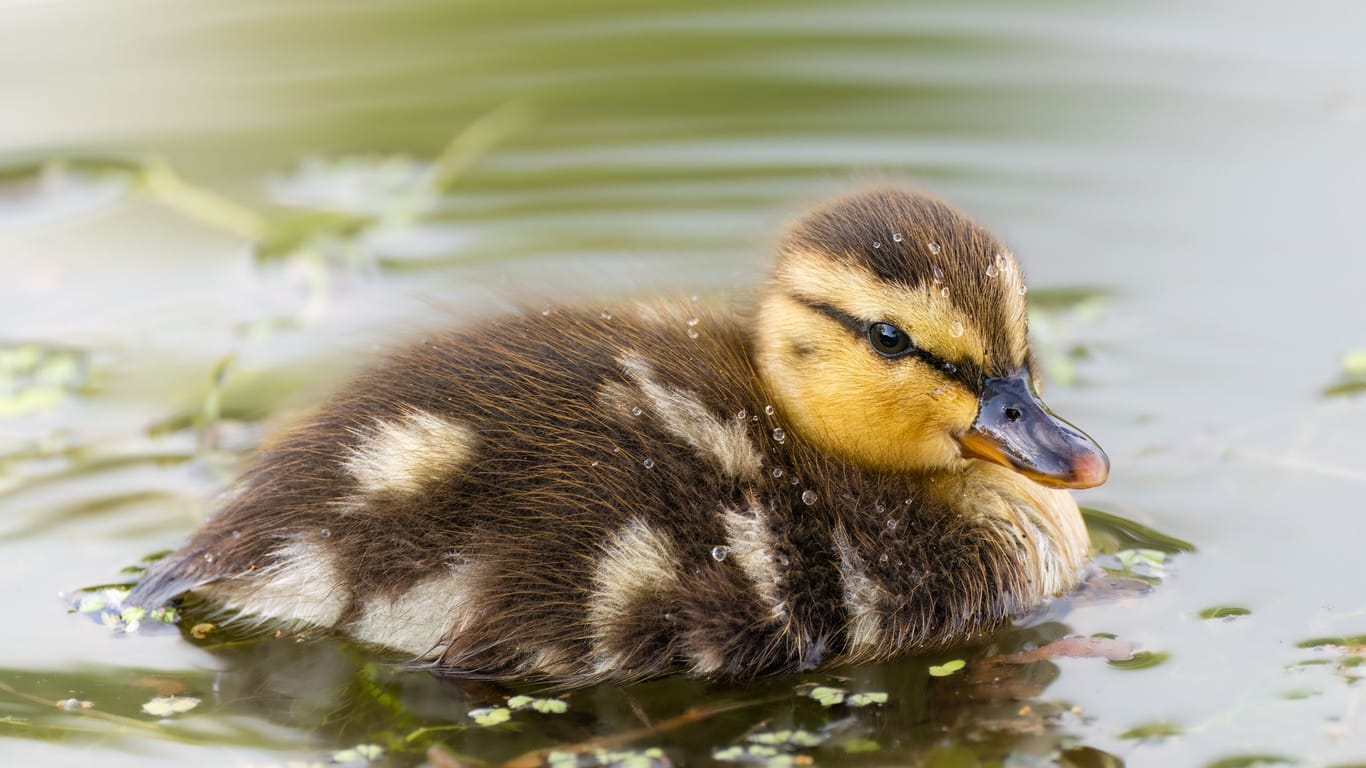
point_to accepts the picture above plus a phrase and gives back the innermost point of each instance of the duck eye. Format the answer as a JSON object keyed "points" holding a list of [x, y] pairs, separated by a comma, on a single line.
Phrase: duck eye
{"points": [[888, 340]]}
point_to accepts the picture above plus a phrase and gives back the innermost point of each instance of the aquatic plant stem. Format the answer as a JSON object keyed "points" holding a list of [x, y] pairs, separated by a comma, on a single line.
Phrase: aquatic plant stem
{"points": [[537, 757]]}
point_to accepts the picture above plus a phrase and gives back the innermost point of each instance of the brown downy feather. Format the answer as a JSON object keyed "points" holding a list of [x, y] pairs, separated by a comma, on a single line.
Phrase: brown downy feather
{"points": [[586, 497]]}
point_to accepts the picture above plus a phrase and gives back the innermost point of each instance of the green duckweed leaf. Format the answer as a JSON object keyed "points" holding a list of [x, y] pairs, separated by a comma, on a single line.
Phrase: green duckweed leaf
{"points": [[622, 758], [771, 737], [826, 695], [1354, 362], [550, 706], [762, 754], [1140, 660], [1152, 731], [358, 753], [165, 615], [1144, 563], [864, 699], [947, 668], [491, 715], [1250, 761], [1353, 378], [1350, 386], [36, 377], [166, 706], [859, 746], [1344, 641], [544, 706], [788, 737], [1224, 612]]}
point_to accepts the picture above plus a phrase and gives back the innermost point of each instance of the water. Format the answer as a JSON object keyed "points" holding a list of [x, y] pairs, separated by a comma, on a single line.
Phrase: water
{"points": [[1201, 164]]}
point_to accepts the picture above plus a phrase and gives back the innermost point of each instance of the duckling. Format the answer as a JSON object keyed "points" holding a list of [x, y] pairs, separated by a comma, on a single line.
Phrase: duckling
{"points": [[858, 468]]}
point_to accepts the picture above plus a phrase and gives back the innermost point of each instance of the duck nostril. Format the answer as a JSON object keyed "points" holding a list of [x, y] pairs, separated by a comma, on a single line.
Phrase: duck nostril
{"points": [[1013, 414]]}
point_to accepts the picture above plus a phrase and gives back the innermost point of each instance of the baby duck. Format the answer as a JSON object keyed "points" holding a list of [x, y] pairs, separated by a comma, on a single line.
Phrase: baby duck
{"points": [[858, 469]]}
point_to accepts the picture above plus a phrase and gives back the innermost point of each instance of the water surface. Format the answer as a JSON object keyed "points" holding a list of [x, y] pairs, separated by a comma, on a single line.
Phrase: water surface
{"points": [[213, 212]]}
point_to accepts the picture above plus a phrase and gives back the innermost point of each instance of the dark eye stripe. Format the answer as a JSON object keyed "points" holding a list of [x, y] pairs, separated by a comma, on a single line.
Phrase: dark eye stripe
{"points": [[966, 373], [853, 324]]}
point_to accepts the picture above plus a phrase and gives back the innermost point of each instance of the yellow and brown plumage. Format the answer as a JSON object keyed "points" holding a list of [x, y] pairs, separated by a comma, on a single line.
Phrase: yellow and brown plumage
{"points": [[854, 470]]}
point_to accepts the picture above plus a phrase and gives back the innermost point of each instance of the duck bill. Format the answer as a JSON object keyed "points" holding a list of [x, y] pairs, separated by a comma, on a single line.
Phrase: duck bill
{"points": [[1015, 429]]}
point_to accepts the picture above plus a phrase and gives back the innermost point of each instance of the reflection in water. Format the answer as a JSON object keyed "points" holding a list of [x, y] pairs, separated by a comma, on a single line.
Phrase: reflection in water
{"points": [[986, 702], [342, 695]]}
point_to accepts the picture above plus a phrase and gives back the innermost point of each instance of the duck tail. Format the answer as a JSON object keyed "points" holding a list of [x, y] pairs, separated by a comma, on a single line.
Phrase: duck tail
{"points": [[166, 580]]}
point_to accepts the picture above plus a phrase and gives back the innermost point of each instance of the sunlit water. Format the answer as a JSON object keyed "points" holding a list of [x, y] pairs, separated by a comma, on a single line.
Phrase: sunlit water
{"points": [[1202, 164]]}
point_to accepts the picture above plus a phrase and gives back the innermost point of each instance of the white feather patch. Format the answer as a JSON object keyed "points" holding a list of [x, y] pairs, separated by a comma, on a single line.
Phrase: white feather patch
{"points": [[637, 564], [862, 598], [751, 544], [418, 620], [303, 584], [409, 454], [723, 443]]}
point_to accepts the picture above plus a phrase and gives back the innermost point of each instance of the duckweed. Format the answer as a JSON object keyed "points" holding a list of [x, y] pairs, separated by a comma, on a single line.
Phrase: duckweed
{"points": [[1152, 732], [1140, 660], [167, 706], [652, 757], [36, 377], [947, 668], [544, 706], [490, 715], [1224, 612], [829, 696], [359, 753], [794, 737], [1352, 377], [105, 604], [865, 699], [1251, 761]]}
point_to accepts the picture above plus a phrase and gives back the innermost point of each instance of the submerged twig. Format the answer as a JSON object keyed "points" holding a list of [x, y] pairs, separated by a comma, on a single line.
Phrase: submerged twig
{"points": [[475, 141], [93, 713], [688, 717], [169, 188]]}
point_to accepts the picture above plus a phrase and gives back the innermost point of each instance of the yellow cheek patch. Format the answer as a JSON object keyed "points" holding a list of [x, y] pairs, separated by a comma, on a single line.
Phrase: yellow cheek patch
{"points": [[891, 414], [928, 313]]}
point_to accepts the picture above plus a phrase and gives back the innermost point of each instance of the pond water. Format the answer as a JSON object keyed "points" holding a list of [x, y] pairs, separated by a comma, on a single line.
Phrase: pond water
{"points": [[210, 213]]}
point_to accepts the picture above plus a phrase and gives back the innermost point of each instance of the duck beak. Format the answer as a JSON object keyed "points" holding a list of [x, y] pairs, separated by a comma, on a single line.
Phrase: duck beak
{"points": [[1015, 429]]}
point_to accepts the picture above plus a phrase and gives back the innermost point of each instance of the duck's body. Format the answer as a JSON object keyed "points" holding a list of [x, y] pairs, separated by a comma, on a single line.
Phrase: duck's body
{"points": [[611, 495]]}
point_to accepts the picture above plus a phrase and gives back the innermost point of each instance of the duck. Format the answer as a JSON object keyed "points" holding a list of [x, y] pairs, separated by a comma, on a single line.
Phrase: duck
{"points": [[854, 467]]}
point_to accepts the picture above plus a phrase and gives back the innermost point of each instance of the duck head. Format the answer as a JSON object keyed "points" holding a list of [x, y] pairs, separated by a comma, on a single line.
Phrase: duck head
{"points": [[894, 333]]}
